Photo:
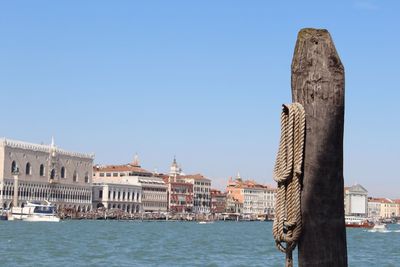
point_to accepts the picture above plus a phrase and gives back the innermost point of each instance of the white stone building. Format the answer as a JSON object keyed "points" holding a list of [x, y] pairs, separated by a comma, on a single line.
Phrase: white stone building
{"points": [[374, 208], [136, 189], [155, 197], [257, 199], [118, 192], [33, 172], [269, 200], [201, 192], [356, 201]]}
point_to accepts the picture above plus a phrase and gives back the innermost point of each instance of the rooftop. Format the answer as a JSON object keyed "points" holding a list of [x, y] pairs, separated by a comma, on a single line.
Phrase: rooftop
{"points": [[248, 184], [133, 167], [48, 148], [197, 176], [380, 200]]}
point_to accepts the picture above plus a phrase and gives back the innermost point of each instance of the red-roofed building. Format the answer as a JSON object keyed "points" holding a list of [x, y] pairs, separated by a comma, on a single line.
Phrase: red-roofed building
{"points": [[201, 192], [180, 197], [255, 198], [190, 193], [129, 187], [218, 201], [383, 208], [180, 193]]}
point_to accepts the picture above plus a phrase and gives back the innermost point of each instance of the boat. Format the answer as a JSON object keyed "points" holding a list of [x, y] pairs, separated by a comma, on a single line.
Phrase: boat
{"points": [[35, 212], [379, 227], [3, 215], [358, 222], [205, 222]]}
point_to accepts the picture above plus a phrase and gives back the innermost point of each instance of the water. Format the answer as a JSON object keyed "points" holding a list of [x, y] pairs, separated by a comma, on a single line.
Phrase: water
{"points": [[124, 243]]}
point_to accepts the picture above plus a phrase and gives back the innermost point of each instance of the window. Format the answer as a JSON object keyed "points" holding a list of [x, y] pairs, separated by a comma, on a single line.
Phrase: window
{"points": [[14, 167], [28, 169], [115, 174], [62, 172], [86, 177], [102, 174], [108, 174], [101, 194], [75, 177], [53, 174], [41, 170]]}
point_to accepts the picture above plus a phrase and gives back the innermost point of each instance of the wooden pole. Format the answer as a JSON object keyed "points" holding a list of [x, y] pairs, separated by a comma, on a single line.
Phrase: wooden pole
{"points": [[318, 84]]}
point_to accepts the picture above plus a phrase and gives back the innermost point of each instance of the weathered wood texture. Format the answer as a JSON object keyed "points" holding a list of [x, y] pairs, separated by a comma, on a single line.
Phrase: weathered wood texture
{"points": [[318, 84]]}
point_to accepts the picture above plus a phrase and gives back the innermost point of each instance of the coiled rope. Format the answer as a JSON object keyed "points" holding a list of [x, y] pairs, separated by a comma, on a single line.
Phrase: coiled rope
{"points": [[287, 173]]}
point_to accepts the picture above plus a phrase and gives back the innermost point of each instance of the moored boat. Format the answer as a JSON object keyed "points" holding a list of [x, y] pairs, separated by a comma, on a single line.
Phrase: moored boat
{"points": [[35, 212], [358, 222], [3, 215]]}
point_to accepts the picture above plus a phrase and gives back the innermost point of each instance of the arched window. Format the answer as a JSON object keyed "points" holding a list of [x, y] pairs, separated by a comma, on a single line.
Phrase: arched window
{"points": [[53, 174], [75, 177], [86, 178], [41, 170], [28, 169], [14, 167], [62, 172]]}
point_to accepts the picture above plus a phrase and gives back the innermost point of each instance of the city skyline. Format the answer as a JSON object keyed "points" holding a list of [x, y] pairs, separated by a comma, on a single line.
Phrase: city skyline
{"points": [[202, 82]]}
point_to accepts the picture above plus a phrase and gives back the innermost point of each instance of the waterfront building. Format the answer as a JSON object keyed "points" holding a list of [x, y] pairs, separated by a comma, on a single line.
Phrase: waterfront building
{"points": [[155, 196], [269, 201], [233, 205], [130, 188], [397, 201], [374, 207], [257, 199], [383, 208], [188, 193], [114, 187], [356, 201], [218, 201], [180, 196], [201, 192], [37, 172]]}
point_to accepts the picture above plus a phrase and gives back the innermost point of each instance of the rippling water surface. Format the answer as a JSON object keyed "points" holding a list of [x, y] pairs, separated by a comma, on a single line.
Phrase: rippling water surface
{"points": [[124, 243]]}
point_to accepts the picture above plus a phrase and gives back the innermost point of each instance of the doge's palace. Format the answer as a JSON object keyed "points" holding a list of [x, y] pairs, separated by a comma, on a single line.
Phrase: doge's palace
{"points": [[36, 172]]}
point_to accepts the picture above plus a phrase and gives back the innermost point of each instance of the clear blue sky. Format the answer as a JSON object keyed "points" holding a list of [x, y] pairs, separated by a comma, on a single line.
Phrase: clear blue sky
{"points": [[202, 80]]}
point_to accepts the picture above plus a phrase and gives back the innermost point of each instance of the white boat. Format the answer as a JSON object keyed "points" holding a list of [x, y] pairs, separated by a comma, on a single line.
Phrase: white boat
{"points": [[379, 227], [205, 222], [35, 212]]}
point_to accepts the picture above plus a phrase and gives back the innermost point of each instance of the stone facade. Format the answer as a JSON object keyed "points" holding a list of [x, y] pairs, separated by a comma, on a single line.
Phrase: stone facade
{"points": [[137, 190], [117, 193], [180, 197], [383, 208], [256, 199], [154, 194], [33, 172], [201, 192], [356, 201], [218, 201], [374, 208]]}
